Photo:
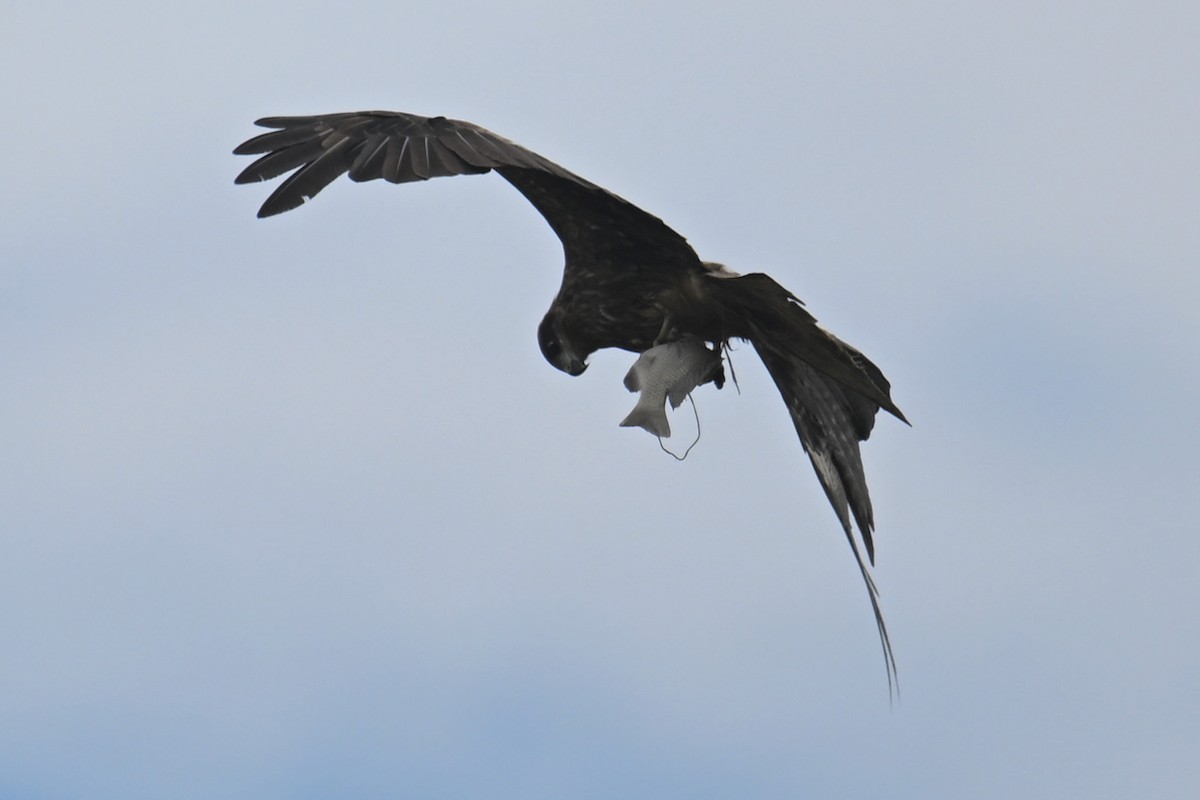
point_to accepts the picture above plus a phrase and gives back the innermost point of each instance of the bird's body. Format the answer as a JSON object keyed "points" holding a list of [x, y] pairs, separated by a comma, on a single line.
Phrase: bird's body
{"points": [[629, 281], [668, 373]]}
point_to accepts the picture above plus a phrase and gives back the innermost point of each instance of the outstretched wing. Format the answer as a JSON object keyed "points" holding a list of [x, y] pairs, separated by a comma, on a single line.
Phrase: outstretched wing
{"points": [[832, 393], [831, 420], [596, 226]]}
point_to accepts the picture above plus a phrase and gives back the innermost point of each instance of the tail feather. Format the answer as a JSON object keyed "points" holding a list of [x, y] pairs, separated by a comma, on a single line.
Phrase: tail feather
{"points": [[832, 392]]}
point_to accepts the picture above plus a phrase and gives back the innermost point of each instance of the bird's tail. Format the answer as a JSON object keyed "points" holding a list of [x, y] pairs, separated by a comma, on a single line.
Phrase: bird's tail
{"points": [[832, 392]]}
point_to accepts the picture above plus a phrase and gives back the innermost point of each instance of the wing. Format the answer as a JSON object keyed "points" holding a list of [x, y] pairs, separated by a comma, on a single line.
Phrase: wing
{"points": [[832, 392], [594, 225], [831, 420]]}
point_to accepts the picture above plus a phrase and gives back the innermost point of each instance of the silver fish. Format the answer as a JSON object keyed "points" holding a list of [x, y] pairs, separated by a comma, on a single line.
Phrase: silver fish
{"points": [[669, 372]]}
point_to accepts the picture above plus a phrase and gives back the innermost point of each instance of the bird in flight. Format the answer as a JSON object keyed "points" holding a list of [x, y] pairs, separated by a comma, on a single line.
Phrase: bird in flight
{"points": [[629, 281]]}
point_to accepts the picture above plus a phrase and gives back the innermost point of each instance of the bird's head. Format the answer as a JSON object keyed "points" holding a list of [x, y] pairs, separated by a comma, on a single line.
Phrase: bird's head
{"points": [[557, 346]]}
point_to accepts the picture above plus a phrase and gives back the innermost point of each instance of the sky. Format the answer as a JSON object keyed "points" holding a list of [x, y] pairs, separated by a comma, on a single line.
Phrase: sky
{"points": [[294, 508]]}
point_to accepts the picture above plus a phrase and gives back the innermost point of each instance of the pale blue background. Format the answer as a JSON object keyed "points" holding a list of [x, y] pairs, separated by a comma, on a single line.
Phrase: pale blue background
{"points": [[295, 509]]}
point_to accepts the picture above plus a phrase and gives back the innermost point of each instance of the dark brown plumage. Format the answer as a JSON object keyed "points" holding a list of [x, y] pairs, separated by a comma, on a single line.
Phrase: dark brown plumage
{"points": [[629, 281]]}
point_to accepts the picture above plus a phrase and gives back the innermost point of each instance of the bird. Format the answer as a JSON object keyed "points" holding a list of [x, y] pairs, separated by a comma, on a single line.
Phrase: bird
{"points": [[629, 282]]}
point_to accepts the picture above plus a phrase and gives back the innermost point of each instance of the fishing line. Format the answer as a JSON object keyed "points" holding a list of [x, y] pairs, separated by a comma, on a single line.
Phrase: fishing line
{"points": [[696, 414], [729, 359]]}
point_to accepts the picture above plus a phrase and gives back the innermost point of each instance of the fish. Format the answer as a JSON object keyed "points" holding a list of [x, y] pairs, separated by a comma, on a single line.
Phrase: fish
{"points": [[669, 372]]}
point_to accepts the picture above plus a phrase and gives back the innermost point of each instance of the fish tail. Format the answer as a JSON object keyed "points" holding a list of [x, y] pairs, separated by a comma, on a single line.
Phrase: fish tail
{"points": [[649, 419]]}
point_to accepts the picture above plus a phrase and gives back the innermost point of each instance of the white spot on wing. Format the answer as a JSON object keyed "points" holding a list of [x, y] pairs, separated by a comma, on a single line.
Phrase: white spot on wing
{"points": [[716, 270]]}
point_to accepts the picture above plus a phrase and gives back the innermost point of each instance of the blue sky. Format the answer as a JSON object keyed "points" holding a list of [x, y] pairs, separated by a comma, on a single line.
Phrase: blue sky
{"points": [[295, 509]]}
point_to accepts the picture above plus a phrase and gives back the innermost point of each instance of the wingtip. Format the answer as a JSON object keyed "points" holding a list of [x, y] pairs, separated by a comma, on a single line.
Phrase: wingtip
{"points": [[276, 122], [270, 209]]}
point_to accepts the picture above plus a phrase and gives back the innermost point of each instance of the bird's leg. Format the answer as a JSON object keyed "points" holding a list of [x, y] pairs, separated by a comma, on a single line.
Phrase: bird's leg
{"points": [[664, 335]]}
